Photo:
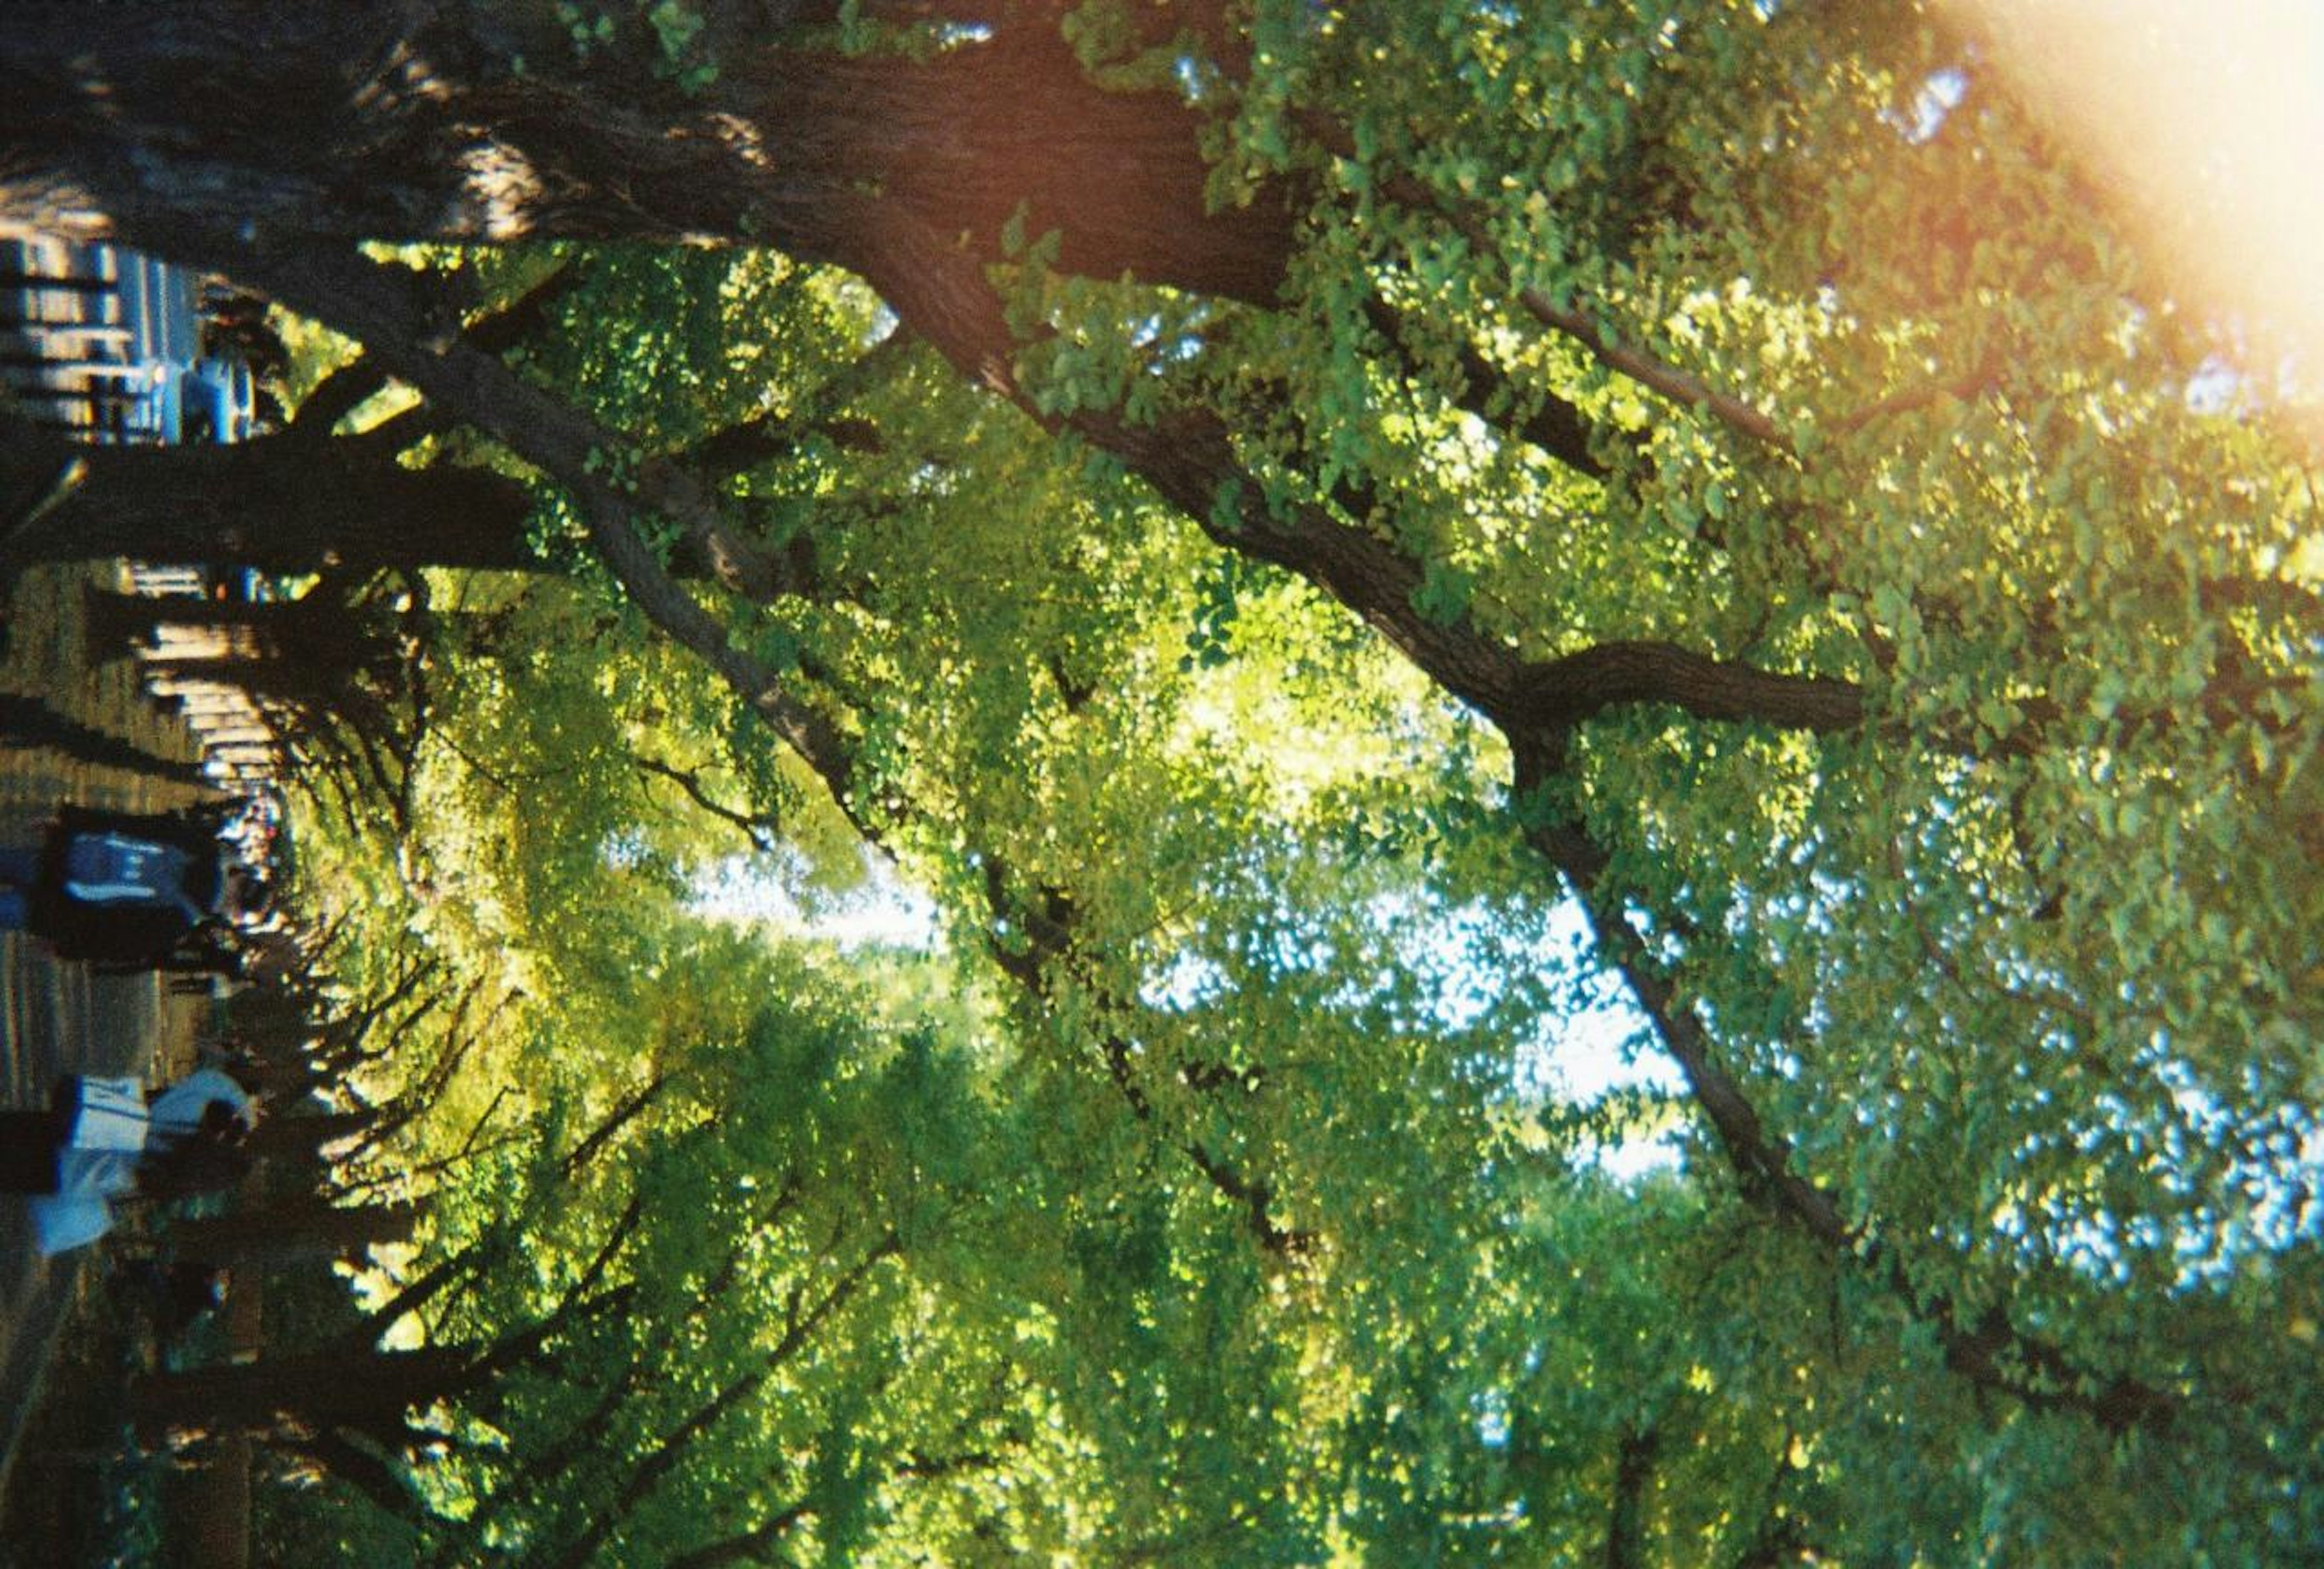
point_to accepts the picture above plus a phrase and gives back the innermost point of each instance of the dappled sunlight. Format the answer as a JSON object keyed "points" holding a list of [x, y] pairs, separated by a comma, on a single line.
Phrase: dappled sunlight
{"points": [[1157, 783]]}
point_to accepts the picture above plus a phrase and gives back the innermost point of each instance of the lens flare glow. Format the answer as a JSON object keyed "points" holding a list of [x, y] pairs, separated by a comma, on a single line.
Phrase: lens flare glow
{"points": [[2206, 121]]}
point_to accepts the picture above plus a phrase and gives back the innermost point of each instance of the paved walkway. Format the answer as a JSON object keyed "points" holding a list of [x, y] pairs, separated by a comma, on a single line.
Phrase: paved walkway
{"points": [[58, 1017], [59, 1020]]}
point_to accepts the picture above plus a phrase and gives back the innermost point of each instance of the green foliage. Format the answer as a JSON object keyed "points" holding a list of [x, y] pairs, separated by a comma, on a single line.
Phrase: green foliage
{"points": [[1205, 1193]]}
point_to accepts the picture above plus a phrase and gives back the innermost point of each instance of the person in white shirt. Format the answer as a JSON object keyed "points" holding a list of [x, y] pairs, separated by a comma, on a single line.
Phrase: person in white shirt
{"points": [[101, 1140]]}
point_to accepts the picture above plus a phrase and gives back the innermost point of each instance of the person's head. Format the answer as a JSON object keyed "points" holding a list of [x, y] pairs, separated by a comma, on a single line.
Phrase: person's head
{"points": [[249, 896], [223, 1122], [184, 1293]]}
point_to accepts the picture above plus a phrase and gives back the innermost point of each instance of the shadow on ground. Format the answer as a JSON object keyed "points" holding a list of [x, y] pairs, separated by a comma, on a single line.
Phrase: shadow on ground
{"points": [[59, 1456]]}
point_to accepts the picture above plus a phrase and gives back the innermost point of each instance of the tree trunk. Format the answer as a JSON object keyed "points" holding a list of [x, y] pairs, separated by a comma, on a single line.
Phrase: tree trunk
{"points": [[280, 504], [299, 1139], [369, 1392], [325, 628], [273, 1022], [307, 1228], [213, 1508], [29, 722], [407, 123]]}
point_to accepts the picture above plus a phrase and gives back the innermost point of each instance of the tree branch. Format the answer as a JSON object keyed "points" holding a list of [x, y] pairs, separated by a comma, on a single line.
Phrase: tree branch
{"points": [[1486, 391], [496, 331], [751, 1546], [671, 1448], [759, 831], [622, 1115], [1994, 1353], [1679, 386]]}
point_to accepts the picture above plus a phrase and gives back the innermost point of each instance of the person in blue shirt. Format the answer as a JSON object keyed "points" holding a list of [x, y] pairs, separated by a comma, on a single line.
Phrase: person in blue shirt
{"points": [[122, 889]]}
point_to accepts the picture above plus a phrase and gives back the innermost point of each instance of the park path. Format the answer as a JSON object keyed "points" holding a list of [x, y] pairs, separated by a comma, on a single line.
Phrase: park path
{"points": [[61, 1018]]}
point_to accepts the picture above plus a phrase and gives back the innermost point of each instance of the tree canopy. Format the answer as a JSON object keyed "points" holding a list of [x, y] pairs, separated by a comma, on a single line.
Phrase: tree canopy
{"points": [[1337, 546]]}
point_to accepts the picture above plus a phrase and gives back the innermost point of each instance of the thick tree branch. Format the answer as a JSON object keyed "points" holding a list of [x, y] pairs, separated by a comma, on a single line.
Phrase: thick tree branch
{"points": [[1559, 693], [1190, 459], [495, 332]]}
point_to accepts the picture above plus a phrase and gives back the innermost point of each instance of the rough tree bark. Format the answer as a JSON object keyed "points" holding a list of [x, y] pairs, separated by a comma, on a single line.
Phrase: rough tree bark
{"points": [[289, 1229], [255, 505], [413, 122]]}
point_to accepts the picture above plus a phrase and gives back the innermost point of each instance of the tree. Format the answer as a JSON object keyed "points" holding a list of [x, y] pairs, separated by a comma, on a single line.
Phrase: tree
{"points": [[254, 505], [1347, 488]]}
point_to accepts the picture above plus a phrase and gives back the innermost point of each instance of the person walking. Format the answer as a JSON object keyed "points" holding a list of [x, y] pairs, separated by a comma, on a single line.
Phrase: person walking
{"points": [[101, 1140], [123, 888]]}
